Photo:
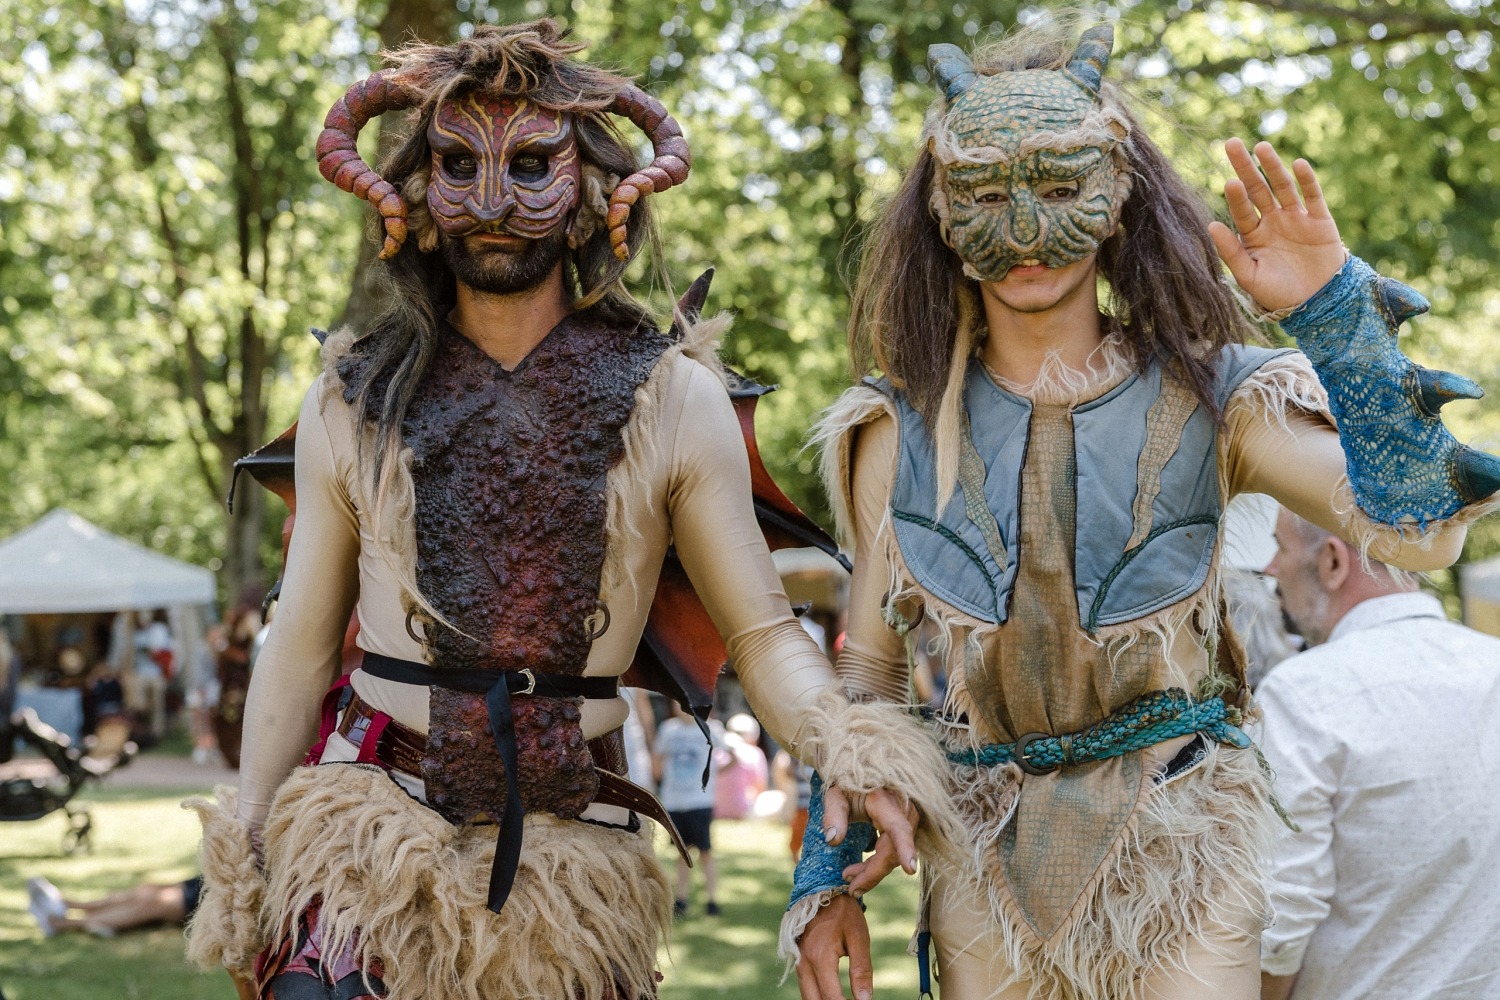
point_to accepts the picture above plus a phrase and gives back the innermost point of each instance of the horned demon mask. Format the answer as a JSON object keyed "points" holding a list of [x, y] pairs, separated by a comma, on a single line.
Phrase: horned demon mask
{"points": [[1029, 163], [501, 161]]}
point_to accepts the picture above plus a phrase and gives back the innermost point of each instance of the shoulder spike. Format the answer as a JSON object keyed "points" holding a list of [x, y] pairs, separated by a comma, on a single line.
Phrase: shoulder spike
{"points": [[1434, 390], [1402, 302], [952, 69], [1476, 474]]}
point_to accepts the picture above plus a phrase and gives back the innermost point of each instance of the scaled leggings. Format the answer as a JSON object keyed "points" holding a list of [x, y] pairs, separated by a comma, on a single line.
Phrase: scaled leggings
{"points": [[1225, 965]]}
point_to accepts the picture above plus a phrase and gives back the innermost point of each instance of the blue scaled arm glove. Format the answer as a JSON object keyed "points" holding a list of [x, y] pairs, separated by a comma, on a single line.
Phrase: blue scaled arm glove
{"points": [[1403, 464], [821, 865]]}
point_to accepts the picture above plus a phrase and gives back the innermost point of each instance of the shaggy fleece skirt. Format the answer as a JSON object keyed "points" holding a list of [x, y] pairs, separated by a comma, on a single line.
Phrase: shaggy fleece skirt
{"points": [[368, 892]]}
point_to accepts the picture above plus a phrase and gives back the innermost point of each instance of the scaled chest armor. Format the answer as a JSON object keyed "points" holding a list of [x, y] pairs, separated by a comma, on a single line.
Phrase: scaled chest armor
{"points": [[1146, 479], [510, 471]]}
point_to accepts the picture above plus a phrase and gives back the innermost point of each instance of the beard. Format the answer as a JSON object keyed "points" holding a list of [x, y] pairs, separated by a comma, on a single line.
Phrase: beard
{"points": [[496, 272]]}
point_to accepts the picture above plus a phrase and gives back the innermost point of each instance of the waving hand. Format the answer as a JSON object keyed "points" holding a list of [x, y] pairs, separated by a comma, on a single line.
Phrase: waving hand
{"points": [[1287, 247]]}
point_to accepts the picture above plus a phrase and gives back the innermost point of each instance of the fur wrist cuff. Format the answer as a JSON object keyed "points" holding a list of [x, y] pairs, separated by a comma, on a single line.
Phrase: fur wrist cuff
{"points": [[862, 747]]}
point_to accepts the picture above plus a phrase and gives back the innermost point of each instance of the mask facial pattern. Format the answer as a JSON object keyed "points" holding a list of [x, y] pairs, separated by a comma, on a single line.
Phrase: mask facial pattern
{"points": [[501, 164], [1027, 170]]}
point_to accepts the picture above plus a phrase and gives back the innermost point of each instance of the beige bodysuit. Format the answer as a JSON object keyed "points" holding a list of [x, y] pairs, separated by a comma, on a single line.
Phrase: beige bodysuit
{"points": [[1070, 869]]}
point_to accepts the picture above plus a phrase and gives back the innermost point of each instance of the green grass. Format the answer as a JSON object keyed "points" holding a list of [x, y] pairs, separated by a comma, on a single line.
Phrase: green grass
{"points": [[144, 835]]}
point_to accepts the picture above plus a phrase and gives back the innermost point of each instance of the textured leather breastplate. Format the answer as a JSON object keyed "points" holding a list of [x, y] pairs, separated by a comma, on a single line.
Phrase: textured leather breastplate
{"points": [[510, 469]]}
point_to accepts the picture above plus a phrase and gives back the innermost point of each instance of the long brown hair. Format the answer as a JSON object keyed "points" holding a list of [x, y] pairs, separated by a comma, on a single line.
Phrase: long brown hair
{"points": [[912, 300]]}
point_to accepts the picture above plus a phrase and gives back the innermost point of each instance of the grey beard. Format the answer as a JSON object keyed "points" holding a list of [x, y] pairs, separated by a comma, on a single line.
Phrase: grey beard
{"points": [[498, 273]]}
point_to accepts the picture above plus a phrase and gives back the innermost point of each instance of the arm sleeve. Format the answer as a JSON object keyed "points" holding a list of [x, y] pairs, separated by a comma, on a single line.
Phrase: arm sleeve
{"points": [[1302, 875], [1282, 446], [301, 657], [721, 546], [873, 663]]}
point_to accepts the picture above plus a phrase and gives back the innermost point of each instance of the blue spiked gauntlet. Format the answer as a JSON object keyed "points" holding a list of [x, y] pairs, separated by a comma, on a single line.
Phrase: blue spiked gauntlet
{"points": [[1403, 464], [821, 865]]}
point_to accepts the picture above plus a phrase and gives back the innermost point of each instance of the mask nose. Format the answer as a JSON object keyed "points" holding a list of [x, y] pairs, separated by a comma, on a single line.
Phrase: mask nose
{"points": [[1025, 220], [492, 207]]}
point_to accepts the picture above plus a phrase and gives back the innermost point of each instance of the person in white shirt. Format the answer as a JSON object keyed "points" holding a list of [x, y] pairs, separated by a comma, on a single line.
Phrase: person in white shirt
{"points": [[1383, 740]]}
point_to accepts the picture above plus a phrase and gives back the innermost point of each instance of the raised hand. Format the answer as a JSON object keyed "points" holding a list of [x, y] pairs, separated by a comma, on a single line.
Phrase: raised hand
{"points": [[1286, 247]]}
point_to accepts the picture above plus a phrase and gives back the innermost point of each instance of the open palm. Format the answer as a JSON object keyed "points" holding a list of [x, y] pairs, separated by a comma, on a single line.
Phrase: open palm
{"points": [[1287, 247]]}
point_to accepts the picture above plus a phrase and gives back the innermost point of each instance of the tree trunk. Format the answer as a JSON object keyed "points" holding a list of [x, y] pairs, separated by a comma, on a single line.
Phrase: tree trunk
{"points": [[430, 21]]}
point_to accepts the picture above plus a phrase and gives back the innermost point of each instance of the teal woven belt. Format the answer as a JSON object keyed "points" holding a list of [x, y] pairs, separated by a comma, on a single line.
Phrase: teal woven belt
{"points": [[1148, 720]]}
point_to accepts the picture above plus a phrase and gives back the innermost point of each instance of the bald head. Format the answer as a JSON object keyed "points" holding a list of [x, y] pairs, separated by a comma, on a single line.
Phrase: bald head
{"points": [[1320, 577]]}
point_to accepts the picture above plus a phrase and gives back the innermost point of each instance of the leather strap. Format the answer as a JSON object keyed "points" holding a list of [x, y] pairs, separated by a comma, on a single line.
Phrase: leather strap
{"points": [[497, 688], [395, 745], [617, 791]]}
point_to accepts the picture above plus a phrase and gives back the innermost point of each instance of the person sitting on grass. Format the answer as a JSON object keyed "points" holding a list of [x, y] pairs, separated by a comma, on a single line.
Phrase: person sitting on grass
{"points": [[143, 905]]}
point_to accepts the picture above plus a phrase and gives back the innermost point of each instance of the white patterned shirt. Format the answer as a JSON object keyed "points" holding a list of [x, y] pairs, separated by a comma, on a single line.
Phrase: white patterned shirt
{"points": [[1385, 742]]}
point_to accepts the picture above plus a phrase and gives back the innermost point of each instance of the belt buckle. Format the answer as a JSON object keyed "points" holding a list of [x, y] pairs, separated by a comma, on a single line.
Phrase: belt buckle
{"points": [[1020, 754], [530, 680]]}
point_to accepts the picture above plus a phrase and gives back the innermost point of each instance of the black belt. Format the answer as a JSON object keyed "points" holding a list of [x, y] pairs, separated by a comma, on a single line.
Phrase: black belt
{"points": [[497, 689]]}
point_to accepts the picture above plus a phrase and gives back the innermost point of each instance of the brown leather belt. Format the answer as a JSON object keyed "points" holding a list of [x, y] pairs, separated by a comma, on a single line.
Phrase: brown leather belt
{"points": [[402, 748], [399, 747]]}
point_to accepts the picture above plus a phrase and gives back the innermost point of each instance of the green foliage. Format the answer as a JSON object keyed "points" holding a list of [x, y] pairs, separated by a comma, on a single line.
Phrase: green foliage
{"points": [[801, 116]]}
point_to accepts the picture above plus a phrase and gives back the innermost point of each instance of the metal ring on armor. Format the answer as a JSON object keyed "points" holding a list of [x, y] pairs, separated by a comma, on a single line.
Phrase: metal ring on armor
{"points": [[410, 617], [600, 609]]}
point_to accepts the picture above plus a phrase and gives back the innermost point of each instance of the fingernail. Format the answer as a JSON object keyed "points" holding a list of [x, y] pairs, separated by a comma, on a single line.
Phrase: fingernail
{"points": [[857, 893], [865, 995], [830, 832]]}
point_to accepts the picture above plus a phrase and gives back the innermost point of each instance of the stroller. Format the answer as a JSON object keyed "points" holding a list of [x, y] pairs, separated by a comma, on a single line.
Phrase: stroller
{"points": [[25, 799]]}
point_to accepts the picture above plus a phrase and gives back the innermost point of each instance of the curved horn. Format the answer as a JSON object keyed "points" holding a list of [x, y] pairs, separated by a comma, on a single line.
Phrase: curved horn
{"points": [[673, 159], [339, 160], [952, 68], [1089, 61]]}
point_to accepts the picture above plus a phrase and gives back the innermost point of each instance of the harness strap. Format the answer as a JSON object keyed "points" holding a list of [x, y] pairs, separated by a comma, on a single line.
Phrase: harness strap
{"points": [[497, 688]]}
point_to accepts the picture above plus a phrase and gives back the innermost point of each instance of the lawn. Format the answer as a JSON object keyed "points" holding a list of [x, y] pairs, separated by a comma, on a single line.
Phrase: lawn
{"points": [[143, 834]]}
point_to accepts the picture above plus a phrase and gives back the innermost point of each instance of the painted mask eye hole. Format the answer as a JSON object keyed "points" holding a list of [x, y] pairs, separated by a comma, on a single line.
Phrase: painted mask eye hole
{"points": [[991, 196], [1060, 192], [529, 166], [460, 166]]}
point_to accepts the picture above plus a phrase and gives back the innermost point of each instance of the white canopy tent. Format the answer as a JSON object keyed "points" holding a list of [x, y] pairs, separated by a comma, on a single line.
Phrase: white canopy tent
{"points": [[63, 563]]}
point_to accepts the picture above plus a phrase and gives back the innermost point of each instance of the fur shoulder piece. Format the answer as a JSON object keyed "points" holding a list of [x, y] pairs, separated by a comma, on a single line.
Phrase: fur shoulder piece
{"points": [[833, 437]]}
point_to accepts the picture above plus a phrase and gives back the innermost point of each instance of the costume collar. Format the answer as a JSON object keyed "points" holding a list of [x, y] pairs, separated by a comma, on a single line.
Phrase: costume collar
{"points": [[1383, 610]]}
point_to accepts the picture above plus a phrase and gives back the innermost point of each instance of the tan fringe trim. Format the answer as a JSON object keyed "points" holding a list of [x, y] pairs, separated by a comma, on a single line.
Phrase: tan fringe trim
{"points": [[797, 917], [335, 346], [589, 907], [226, 930], [1284, 383], [1058, 384], [833, 438], [1191, 859]]}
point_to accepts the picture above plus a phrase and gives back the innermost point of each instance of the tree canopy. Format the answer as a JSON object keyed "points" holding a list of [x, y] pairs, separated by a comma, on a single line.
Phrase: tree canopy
{"points": [[166, 242]]}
